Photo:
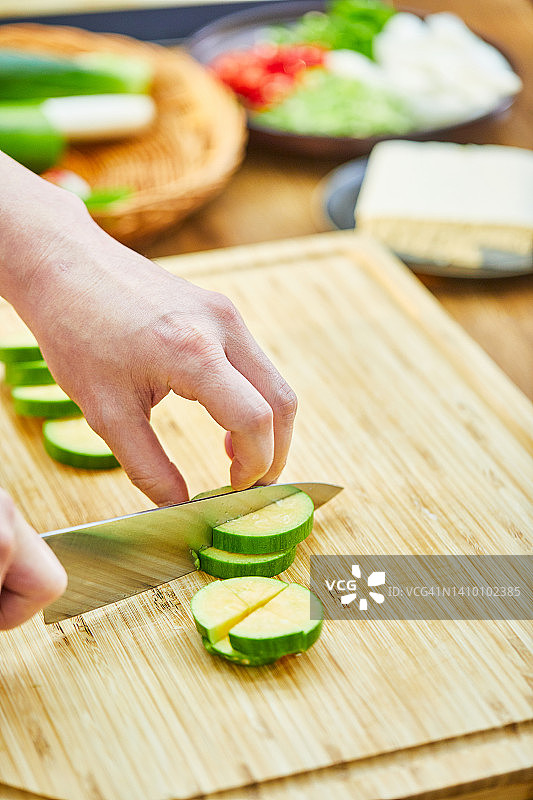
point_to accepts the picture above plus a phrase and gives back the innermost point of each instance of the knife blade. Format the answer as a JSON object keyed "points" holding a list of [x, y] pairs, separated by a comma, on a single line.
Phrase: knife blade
{"points": [[112, 559]]}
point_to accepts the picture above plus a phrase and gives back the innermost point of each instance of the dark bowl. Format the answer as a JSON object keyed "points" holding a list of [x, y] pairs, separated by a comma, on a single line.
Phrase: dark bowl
{"points": [[243, 29]]}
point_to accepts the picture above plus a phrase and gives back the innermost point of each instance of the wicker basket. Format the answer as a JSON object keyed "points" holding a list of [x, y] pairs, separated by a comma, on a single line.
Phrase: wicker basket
{"points": [[187, 156]]}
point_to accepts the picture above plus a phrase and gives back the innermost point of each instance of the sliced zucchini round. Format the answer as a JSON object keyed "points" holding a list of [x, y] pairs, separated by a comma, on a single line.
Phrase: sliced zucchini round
{"points": [[28, 373], [43, 401], [276, 527], [254, 621], [73, 442], [224, 649], [218, 606], [283, 626], [213, 492], [19, 348], [222, 564]]}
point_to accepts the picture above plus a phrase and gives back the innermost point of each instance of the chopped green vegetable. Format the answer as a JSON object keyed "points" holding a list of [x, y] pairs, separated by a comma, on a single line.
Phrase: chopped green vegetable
{"points": [[19, 347], [48, 401], [253, 621], [346, 25], [330, 105], [276, 527], [224, 649], [289, 623], [213, 492], [28, 373], [222, 564], [218, 606], [73, 442]]}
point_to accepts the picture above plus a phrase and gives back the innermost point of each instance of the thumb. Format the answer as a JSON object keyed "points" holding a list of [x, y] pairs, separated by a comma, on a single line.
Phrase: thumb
{"points": [[134, 443]]}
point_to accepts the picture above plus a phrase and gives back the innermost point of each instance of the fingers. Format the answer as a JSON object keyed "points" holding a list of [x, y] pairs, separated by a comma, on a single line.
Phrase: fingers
{"points": [[131, 438], [239, 408], [247, 357], [31, 577]]}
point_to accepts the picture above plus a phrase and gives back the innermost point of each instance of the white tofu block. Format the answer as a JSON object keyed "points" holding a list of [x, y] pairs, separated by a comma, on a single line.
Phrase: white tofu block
{"points": [[449, 203]]}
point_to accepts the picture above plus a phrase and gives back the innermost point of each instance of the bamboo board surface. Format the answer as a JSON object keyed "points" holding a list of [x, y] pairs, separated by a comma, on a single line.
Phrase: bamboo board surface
{"points": [[434, 448]]}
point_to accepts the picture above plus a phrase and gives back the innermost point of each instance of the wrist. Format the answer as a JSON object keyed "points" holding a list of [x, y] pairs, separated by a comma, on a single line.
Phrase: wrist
{"points": [[37, 221]]}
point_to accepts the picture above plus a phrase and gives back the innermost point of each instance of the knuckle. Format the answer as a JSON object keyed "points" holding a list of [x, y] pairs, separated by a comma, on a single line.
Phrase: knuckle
{"points": [[258, 419], [148, 484], [102, 417], [224, 309], [184, 342], [286, 403]]}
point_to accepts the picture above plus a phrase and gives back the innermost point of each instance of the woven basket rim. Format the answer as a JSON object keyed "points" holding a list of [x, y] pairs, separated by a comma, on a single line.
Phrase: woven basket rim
{"points": [[227, 133]]}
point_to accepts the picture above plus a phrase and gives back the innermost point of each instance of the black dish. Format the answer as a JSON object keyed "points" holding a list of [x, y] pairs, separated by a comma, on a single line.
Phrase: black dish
{"points": [[243, 29], [336, 198]]}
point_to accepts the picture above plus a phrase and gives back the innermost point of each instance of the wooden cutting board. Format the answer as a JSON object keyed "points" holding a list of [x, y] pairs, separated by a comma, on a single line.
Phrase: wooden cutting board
{"points": [[433, 445]]}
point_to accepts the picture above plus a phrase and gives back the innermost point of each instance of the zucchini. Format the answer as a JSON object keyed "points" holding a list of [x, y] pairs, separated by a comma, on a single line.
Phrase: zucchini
{"points": [[221, 604], [224, 649], [28, 373], [73, 442], [276, 527], [25, 75], [221, 564], [213, 492], [19, 347], [282, 620], [43, 401], [281, 627]]}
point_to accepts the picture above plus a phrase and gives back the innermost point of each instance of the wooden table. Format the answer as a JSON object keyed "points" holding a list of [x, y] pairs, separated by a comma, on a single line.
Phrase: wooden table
{"points": [[275, 197]]}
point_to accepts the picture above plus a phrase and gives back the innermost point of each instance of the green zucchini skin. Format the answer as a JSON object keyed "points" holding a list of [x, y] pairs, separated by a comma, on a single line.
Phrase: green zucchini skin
{"points": [[235, 657], [24, 75], [48, 409], [73, 458], [275, 647], [213, 492], [28, 373], [28, 137], [266, 565], [11, 353], [261, 543]]}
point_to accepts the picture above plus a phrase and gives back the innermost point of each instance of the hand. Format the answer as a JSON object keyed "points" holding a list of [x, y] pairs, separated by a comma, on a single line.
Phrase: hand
{"points": [[119, 332], [31, 577]]}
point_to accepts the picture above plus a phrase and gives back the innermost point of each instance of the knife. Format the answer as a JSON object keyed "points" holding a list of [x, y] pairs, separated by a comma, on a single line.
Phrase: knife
{"points": [[112, 559]]}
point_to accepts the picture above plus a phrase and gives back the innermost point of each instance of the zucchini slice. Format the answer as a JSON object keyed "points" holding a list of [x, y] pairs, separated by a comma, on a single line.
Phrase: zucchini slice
{"points": [[276, 527], [253, 621], [28, 373], [43, 401], [224, 649], [73, 442], [281, 627], [221, 564], [19, 348], [218, 606], [213, 492]]}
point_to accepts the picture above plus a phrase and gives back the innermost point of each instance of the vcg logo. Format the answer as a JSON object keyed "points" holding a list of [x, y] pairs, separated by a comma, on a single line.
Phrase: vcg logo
{"points": [[350, 587]]}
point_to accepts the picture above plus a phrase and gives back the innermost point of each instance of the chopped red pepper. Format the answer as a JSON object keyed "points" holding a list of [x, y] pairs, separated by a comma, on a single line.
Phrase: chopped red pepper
{"points": [[266, 73]]}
